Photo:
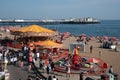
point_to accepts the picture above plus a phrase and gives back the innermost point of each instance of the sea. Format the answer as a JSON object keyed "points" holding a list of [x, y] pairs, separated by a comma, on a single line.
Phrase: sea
{"points": [[110, 28]]}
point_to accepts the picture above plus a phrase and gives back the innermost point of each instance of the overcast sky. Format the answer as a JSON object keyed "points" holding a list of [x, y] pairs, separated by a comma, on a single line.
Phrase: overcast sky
{"points": [[59, 9]]}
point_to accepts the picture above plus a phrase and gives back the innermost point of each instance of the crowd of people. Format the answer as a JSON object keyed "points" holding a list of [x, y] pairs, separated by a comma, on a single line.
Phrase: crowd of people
{"points": [[24, 56], [33, 56]]}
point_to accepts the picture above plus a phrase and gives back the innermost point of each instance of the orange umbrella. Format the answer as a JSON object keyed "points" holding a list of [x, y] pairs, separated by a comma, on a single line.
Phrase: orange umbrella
{"points": [[49, 44], [36, 29]]}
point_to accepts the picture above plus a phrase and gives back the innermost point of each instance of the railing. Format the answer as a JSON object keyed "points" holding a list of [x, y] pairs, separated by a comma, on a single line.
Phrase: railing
{"points": [[37, 72]]}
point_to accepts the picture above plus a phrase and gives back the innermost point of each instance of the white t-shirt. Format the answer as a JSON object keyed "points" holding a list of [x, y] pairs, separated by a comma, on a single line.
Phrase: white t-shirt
{"points": [[38, 55]]}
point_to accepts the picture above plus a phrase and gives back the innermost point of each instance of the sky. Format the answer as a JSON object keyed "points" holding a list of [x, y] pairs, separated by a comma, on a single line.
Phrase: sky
{"points": [[59, 9]]}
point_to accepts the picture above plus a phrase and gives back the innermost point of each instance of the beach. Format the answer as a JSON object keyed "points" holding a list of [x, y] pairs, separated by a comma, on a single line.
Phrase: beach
{"points": [[111, 57], [107, 55]]}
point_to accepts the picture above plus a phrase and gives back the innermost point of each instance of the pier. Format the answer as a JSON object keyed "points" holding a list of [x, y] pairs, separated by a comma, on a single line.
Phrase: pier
{"points": [[56, 21]]}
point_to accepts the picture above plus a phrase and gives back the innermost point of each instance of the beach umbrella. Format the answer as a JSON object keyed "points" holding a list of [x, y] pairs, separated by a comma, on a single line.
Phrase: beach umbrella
{"points": [[114, 39], [105, 38]]}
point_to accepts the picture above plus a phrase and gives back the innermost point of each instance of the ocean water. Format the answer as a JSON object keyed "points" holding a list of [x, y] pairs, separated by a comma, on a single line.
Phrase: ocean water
{"points": [[106, 27]]}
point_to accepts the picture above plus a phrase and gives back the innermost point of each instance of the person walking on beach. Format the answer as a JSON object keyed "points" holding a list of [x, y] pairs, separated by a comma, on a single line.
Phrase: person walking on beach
{"points": [[68, 70], [44, 67], [81, 76], [52, 66], [91, 48], [30, 60], [110, 70], [48, 70]]}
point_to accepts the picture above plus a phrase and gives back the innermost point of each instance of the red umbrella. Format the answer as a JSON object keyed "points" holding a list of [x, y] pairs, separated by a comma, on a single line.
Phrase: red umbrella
{"points": [[105, 37], [114, 38]]}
